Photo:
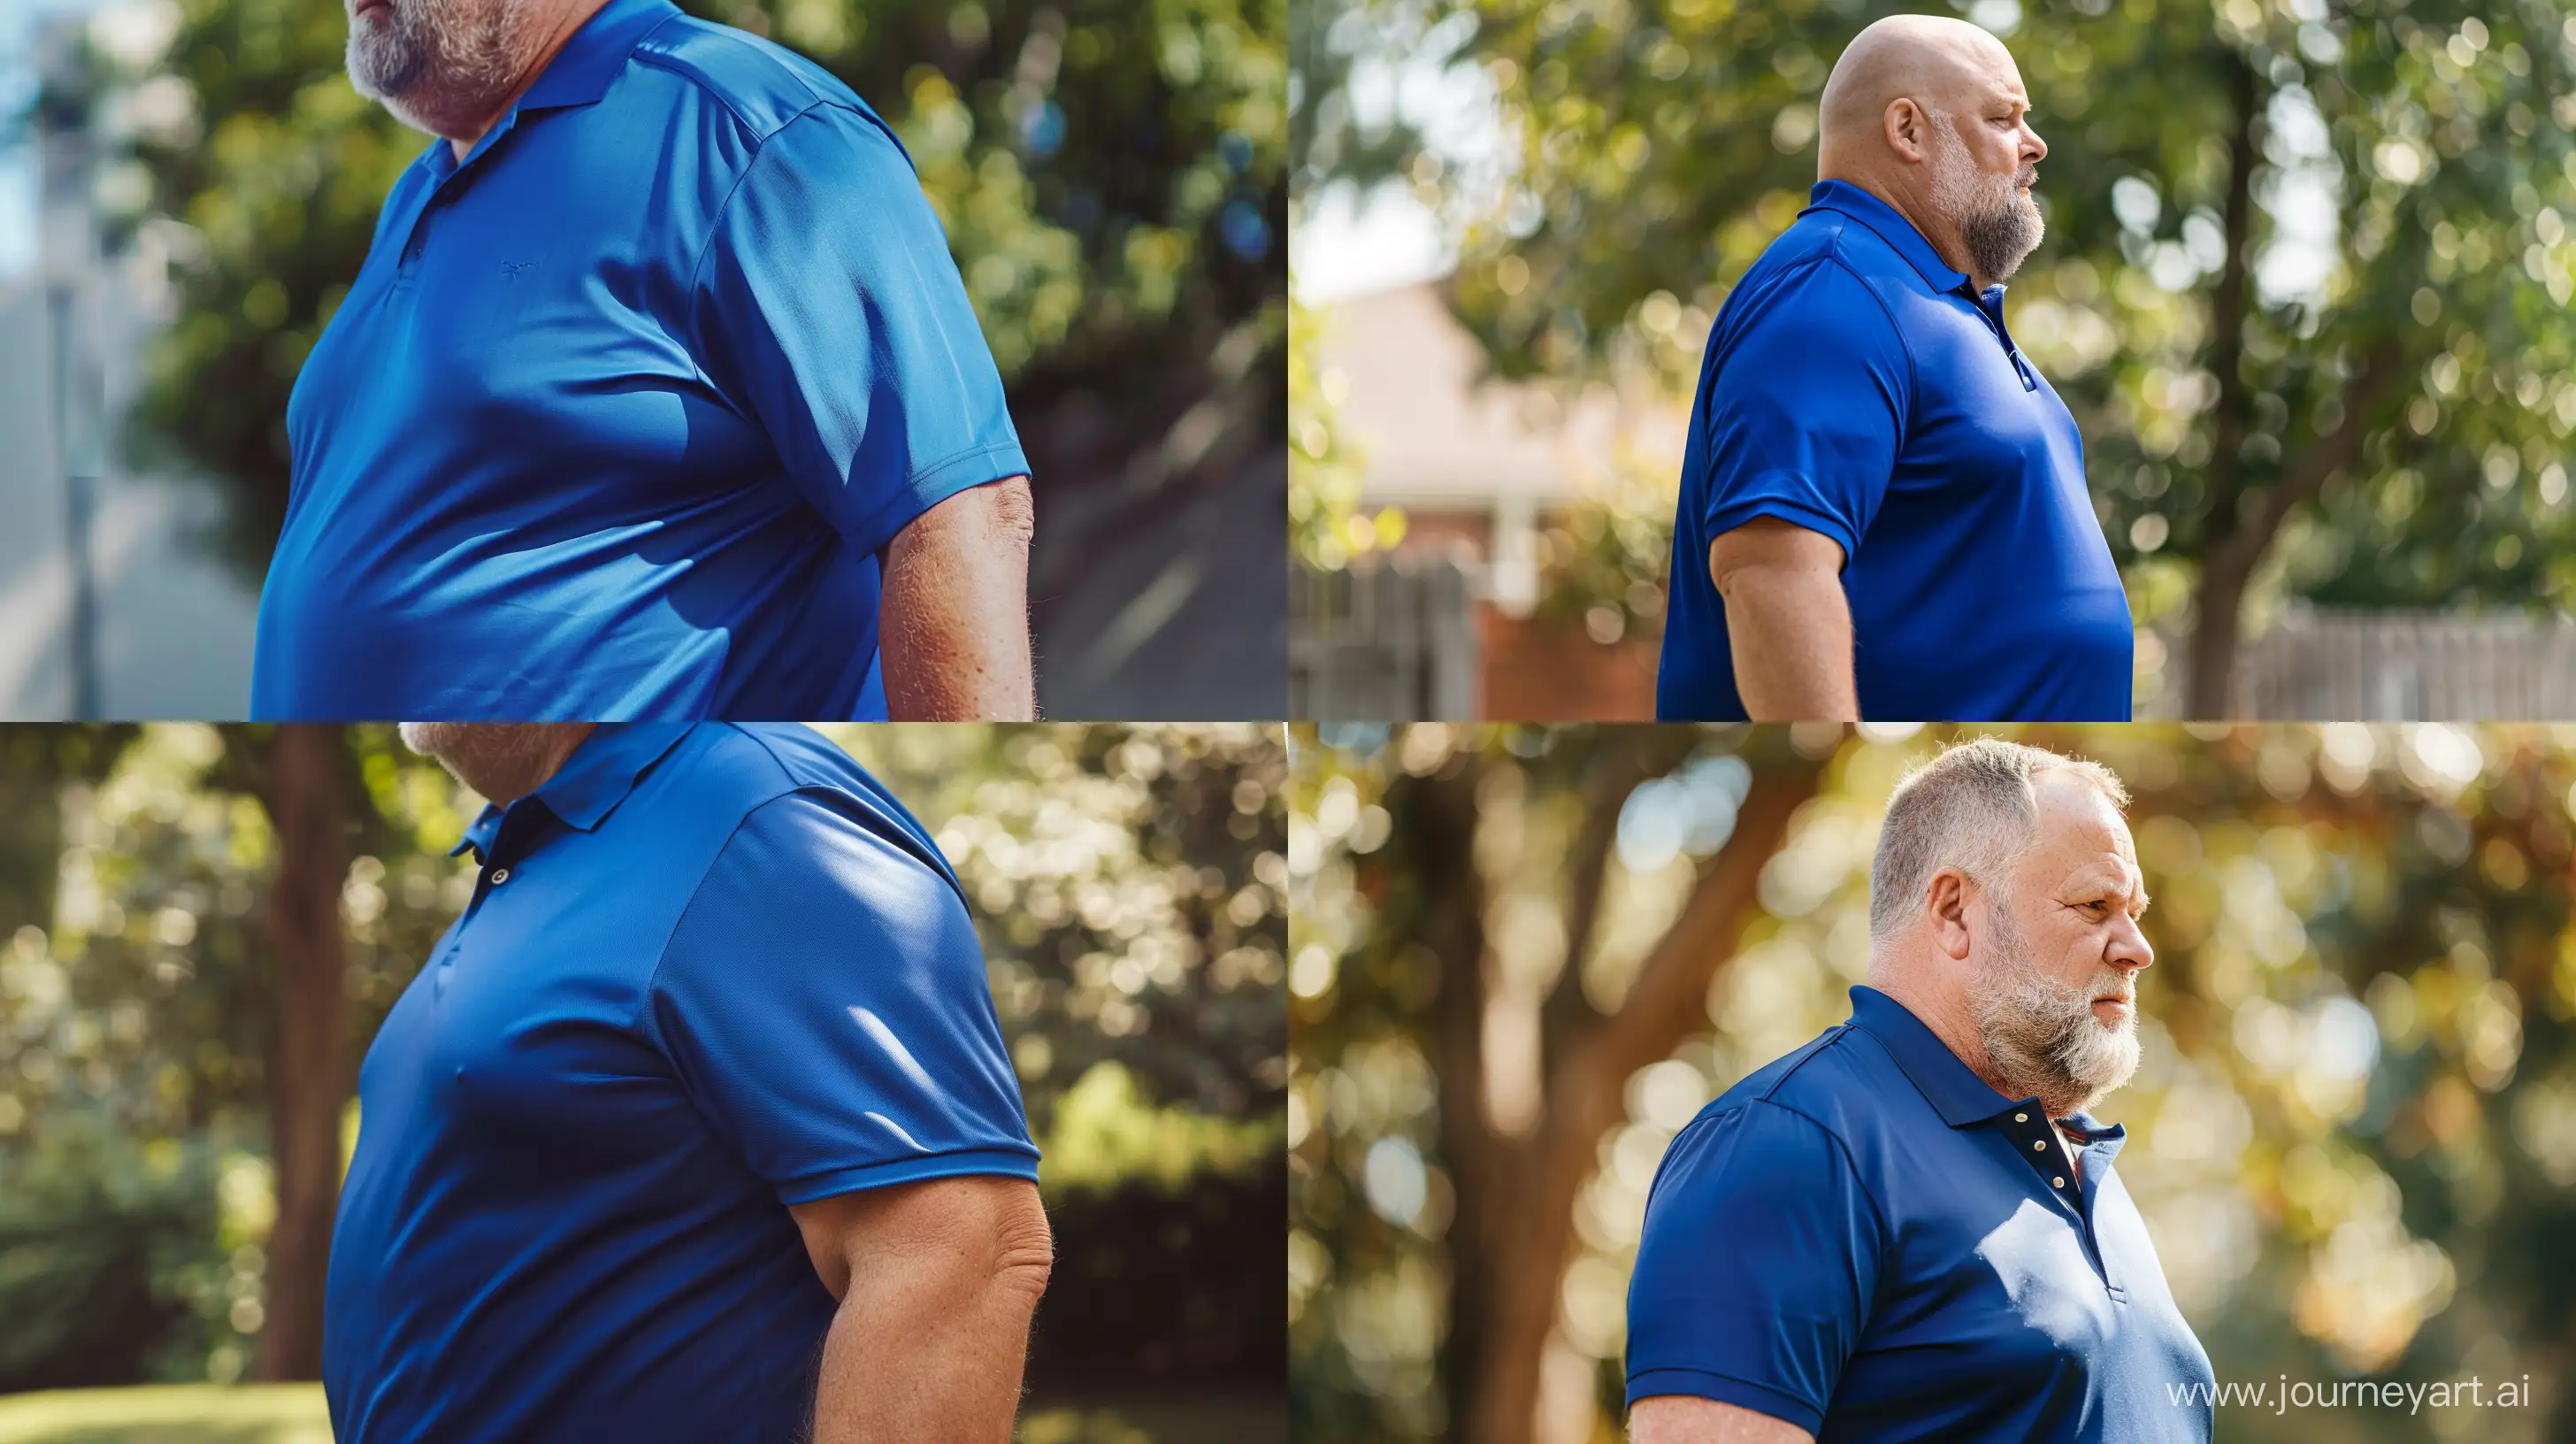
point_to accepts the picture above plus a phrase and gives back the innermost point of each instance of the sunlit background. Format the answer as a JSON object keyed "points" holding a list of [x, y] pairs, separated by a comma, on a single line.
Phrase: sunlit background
{"points": [[1129, 886], [1521, 959], [2305, 285]]}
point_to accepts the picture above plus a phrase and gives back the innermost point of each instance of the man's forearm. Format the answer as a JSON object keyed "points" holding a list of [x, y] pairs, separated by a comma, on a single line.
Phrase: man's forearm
{"points": [[912, 1362], [1789, 630], [954, 628]]}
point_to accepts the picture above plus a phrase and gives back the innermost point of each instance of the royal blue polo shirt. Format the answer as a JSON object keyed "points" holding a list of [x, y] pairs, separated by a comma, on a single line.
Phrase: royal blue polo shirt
{"points": [[621, 410], [706, 974], [1867, 1241], [1857, 386]]}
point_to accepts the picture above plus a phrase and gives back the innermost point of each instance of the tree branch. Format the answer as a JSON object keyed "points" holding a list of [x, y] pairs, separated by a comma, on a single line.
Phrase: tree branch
{"points": [[1568, 1014]]}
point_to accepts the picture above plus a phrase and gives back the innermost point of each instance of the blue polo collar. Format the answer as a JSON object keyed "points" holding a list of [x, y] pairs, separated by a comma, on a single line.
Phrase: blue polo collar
{"points": [[592, 781], [578, 75], [1961, 1097], [1848, 199], [580, 72]]}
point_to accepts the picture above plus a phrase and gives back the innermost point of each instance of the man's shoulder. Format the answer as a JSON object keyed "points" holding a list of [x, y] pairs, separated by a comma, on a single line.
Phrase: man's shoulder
{"points": [[738, 770], [739, 766], [763, 84], [1841, 1081], [1849, 245], [1826, 273]]}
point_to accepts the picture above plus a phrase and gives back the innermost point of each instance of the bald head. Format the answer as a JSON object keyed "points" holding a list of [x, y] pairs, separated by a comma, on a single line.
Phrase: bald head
{"points": [[1929, 115]]}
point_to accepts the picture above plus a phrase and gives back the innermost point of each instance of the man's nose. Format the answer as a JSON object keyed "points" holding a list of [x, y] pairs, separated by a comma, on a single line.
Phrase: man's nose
{"points": [[2129, 946], [2033, 149]]}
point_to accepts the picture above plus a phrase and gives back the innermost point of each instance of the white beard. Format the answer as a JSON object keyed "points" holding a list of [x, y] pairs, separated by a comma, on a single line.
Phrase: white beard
{"points": [[2041, 1035]]}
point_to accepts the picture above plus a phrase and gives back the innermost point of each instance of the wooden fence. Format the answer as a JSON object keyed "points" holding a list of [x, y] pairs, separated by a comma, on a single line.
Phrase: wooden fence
{"points": [[1396, 641], [1399, 641], [2409, 667]]}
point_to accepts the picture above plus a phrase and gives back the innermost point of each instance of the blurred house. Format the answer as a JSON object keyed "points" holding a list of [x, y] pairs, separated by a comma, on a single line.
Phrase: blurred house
{"points": [[107, 607], [1450, 626]]}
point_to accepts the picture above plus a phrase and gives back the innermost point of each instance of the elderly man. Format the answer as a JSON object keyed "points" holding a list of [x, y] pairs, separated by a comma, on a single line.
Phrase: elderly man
{"points": [[1883, 511], [656, 394], [697, 1126], [1910, 1228]]}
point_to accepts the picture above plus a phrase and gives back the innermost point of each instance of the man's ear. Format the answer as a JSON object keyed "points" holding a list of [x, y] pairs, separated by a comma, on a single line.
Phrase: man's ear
{"points": [[1907, 129], [1945, 901]]}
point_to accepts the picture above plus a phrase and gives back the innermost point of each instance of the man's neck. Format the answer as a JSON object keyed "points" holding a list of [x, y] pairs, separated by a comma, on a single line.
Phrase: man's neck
{"points": [[1951, 1020], [568, 17], [1943, 238]]}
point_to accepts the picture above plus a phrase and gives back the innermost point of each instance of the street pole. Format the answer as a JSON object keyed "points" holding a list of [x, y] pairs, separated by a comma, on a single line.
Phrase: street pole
{"points": [[79, 494], [71, 260]]}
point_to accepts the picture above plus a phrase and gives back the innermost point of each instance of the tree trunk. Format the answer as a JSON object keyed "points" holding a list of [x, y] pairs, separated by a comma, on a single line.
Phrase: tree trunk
{"points": [[2227, 553], [2218, 604], [1514, 1235], [307, 1082]]}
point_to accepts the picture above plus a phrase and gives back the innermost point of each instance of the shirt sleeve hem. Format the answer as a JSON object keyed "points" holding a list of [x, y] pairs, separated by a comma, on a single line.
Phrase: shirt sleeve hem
{"points": [[1725, 1389], [1727, 517], [966, 1162], [936, 483]]}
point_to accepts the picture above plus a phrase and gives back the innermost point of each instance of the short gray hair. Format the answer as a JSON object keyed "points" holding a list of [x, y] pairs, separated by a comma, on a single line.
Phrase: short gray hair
{"points": [[1970, 807]]}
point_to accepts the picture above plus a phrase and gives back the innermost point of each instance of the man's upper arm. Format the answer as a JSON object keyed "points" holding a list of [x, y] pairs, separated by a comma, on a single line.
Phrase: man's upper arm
{"points": [[1807, 411], [1687, 1419], [1760, 1256], [823, 1004], [1769, 544], [827, 308], [973, 1229], [955, 624]]}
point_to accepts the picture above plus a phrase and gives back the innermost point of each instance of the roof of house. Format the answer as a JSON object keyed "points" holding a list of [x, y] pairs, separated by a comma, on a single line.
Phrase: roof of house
{"points": [[1435, 429]]}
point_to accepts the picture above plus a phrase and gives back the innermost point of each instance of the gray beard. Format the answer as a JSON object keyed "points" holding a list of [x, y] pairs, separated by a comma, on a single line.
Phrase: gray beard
{"points": [[2040, 1035], [1998, 224], [496, 759], [429, 60]]}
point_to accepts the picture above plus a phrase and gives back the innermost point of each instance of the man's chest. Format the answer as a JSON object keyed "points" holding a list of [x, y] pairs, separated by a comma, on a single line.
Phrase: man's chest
{"points": [[530, 1023], [2003, 1290], [504, 313], [1984, 427]]}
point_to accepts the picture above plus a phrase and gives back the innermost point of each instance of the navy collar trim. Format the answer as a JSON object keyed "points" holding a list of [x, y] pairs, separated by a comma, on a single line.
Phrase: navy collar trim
{"points": [[598, 776], [1845, 198]]}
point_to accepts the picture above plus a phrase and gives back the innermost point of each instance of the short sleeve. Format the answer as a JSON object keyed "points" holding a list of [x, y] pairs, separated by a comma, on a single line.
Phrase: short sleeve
{"points": [[1761, 1252], [1806, 414], [823, 1002], [828, 310]]}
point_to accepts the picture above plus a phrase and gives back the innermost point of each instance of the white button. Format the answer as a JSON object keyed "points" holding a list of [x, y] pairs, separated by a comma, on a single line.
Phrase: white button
{"points": [[2057, 1183], [2040, 1147], [2021, 1118], [500, 875]]}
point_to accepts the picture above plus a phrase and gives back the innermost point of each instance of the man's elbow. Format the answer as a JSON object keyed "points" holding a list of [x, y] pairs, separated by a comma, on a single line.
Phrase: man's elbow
{"points": [[1024, 1253], [1013, 510]]}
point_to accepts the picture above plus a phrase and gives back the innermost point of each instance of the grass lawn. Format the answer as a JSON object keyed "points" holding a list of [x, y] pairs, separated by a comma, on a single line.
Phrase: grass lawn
{"points": [[293, 1414]]}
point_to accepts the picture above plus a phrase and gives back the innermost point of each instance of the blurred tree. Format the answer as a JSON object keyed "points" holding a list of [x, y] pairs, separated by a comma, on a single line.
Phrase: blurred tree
{"points": [[1330, 140], [1112, 179], [2305, 283], [233, 910], [1524, 958]]}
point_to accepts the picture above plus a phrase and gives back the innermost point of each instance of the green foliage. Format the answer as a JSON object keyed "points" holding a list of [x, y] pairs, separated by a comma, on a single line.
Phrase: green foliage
{"points": [[1112, 178], [2353, 1133], [1326, 526], [1127, 883], [1328, 141], [296, 1414], [170, 1414]]}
